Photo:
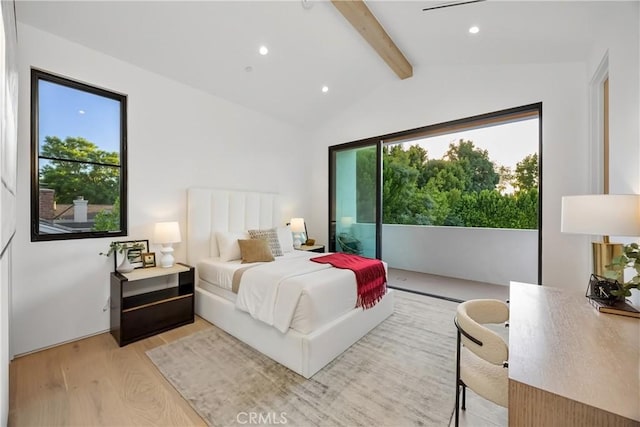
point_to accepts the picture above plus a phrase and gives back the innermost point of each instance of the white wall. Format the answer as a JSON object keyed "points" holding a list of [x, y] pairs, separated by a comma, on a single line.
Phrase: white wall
{"points": [[437, 94], [177, 137]]}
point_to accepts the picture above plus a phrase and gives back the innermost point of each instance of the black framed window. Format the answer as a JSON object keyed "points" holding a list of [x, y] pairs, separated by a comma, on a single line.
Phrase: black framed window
{"points": [[78, 159]]}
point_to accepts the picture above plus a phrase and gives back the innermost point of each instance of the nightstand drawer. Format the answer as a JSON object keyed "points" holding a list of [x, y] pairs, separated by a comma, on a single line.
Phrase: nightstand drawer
{"points": [[156, 318]]}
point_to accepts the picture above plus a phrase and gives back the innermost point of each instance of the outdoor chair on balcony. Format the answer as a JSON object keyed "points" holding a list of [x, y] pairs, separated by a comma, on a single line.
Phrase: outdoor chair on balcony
{"points": [[482, 355], [349, 244]]}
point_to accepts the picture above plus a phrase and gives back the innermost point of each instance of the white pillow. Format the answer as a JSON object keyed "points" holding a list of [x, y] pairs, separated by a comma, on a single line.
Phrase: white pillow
{"points": [[228, 244], [286, 238]]}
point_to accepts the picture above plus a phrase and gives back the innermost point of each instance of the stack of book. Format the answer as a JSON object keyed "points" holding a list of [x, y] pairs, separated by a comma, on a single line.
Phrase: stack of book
{"points": [[621, 308]]}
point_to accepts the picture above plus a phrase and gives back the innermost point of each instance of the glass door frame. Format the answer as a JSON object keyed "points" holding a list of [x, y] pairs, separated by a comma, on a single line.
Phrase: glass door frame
{"points": [[369, 142]]}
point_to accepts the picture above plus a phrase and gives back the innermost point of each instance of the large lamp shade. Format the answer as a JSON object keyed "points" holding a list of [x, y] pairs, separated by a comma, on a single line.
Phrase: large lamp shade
{"points": [[602, 214], [605, 215]]}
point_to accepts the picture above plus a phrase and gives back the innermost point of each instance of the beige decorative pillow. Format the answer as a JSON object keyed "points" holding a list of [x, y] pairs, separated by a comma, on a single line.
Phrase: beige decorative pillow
{"points": [[255, 250], [271, 236]]}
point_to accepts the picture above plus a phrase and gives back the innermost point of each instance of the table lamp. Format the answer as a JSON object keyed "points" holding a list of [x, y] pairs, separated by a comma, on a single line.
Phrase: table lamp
{"points": [[297, 228], [602, 214], [167, 233]]}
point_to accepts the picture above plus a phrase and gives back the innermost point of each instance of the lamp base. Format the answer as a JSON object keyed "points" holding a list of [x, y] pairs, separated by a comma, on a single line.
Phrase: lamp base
{"points": [[167, 259], [603, 254]]}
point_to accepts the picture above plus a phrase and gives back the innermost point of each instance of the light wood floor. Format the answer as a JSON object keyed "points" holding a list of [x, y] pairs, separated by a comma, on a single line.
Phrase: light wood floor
{"points": [[93, 382]]}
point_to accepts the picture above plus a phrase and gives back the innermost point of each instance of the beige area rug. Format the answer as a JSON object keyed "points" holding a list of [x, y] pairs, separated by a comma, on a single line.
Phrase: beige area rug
{"points": [[401, 374]]}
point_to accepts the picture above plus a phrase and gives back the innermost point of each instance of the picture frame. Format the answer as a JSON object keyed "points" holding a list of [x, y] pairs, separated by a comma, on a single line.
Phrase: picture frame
{"points": [[135, 255], [148, 259]]}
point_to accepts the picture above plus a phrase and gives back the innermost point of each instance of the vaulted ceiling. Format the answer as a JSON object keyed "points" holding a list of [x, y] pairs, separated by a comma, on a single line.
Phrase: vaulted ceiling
{"points": [[213, 45]]}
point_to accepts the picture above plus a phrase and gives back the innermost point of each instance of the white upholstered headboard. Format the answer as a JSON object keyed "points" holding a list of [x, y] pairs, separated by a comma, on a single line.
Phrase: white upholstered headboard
{"points": [[210, 210]]}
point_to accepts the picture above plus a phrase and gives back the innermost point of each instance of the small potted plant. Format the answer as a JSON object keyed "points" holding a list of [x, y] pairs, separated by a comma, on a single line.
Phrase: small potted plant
{"points": [[630, 258], [123, 248]]}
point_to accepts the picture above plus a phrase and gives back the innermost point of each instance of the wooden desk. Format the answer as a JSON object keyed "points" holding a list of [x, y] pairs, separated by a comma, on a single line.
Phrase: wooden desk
{"points": [[570, 365]]}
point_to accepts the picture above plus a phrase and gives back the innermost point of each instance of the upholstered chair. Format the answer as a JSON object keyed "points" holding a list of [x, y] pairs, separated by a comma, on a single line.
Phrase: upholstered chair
{"points": [[482, 355]]}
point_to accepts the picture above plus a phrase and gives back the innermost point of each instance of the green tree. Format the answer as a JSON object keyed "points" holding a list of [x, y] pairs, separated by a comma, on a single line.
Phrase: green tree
{"points": [[506, 178], [108, 219], [402, 202], [526, 174], [479, 168], [445, 175], [77, 167], [419, 190], [527, 209]]}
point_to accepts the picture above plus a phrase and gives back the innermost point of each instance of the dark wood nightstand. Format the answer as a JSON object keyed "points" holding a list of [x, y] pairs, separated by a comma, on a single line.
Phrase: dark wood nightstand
{"points": [[314, 248], [135, 316]]}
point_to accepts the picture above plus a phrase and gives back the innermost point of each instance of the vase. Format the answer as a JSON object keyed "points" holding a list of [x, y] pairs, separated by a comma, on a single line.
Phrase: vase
{"points": [[125, 266]]}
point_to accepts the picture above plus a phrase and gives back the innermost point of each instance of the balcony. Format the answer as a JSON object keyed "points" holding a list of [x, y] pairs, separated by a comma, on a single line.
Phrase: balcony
{"points": [[489, 255]]}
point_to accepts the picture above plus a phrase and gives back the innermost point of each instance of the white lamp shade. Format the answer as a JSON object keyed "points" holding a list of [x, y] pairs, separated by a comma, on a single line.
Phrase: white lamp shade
{"points": [[602, 214], [297, 225], [167, 232]]}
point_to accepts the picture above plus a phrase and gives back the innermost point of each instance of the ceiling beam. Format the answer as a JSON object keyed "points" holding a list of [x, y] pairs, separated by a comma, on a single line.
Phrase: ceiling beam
{"points": [[361, 18]]}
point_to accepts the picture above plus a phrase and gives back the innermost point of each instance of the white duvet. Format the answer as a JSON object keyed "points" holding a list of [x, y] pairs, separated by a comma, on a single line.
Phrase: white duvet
{"points": [[267, 295]]}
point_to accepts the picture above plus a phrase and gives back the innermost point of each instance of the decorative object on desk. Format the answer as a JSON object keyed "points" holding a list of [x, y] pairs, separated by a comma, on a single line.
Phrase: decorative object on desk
{"points": [[621, 308], [127, 257], [603, 289], [310, 242], [149, 259], [630, 258], [299, 230], [605, 294], [167, 233], [606, 215]]}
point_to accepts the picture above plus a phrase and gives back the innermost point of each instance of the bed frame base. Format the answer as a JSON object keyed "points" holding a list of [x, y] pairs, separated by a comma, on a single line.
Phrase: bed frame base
{"points": [[304, 354]]}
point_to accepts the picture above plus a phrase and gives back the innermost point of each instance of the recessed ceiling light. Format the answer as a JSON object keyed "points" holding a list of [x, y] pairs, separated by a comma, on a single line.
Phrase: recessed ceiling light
{"points": [[325, 89], [263, 50], [474, 30], [80, 111]]}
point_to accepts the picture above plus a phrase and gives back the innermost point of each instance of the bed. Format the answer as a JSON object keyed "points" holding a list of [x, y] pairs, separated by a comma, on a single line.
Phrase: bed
{"points": [[324, 322]]}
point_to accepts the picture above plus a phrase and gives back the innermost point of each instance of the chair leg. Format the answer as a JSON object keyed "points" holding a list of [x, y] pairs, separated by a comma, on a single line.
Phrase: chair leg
{"points": [[457, 379], [464, 397], [457, 404]]}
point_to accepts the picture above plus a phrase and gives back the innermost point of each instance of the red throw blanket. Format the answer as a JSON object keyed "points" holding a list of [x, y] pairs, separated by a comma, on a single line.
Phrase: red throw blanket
{"points": [[370, 275]]}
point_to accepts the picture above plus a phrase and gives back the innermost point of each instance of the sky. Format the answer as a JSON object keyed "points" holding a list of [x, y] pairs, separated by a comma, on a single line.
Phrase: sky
{"points": [[65, 111], [507, 144]]}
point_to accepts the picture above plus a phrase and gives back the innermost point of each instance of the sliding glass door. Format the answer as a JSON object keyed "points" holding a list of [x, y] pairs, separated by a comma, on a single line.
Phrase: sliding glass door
{"points": [[354, 192]]}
